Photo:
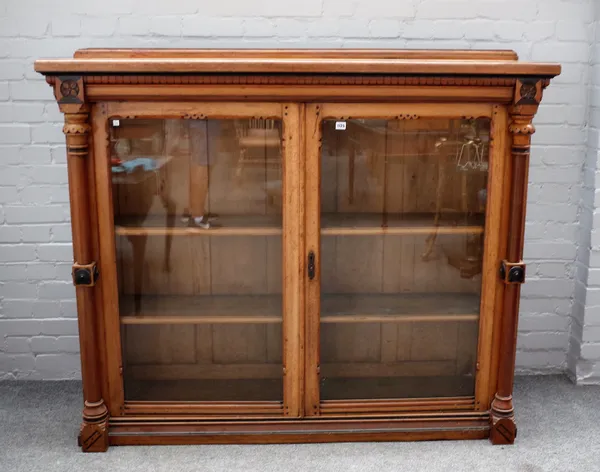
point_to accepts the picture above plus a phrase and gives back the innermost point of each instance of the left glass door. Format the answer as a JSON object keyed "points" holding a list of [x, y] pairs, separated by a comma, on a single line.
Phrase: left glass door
{"points": [[198, 219]]}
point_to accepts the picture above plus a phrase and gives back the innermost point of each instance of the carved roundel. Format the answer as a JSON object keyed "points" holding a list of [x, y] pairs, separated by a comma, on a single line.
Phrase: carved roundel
{"points": [[528, 91], [69, 88]]}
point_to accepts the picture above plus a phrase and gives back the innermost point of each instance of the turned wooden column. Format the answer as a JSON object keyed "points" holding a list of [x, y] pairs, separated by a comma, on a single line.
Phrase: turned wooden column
{"points": [[93, 436], [512, 269]]}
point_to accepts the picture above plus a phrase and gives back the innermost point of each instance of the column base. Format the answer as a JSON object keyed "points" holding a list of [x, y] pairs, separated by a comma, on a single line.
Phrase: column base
{"points": [[503, 428], [93, 434]]}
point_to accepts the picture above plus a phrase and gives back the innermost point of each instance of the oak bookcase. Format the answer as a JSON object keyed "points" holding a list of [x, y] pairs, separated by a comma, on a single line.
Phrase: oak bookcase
{"points": [[297, 245]]}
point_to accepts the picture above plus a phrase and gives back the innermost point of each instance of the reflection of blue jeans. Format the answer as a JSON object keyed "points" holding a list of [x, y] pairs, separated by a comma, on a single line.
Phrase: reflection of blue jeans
{"points": [[144, 163], [203, 139]]}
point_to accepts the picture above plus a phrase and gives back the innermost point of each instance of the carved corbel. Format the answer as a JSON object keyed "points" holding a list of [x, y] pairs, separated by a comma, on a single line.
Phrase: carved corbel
{"points": [[69, 92]]}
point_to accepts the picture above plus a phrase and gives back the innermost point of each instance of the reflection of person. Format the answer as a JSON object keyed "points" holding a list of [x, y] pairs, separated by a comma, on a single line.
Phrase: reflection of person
{"points": [[203, 135]]}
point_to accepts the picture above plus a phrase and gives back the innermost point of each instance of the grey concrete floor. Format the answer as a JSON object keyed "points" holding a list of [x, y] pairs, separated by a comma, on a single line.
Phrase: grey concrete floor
{"points": [[559, 430]]}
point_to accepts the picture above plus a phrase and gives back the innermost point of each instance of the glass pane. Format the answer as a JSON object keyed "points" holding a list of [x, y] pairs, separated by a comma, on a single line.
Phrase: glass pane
{"points": [[198, 222], [402, 223]]}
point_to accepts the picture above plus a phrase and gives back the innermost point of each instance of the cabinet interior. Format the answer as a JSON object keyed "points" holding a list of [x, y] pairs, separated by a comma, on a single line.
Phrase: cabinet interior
{"points": [[402, 222]]}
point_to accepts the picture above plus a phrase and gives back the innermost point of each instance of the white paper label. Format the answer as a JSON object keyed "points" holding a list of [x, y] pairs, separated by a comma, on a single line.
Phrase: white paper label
{"points": [[116, 123], [340, 125]]}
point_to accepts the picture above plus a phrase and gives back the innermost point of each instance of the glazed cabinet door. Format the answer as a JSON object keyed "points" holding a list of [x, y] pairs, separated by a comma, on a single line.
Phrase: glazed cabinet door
{"points": [[199, 217], [402, 221]]}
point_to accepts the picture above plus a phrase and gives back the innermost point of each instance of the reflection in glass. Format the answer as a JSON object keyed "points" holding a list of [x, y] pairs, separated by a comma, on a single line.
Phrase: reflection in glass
{"points": [[402, 224], [198, 215]]}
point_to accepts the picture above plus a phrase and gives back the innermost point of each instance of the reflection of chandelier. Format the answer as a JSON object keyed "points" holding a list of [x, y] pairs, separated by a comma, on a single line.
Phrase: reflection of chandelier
{"points": [[470, 155], [464, 251]]}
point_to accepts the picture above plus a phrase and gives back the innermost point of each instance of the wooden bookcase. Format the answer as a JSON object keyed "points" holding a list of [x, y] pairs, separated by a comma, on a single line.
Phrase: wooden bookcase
{"points": [[297, 246]]}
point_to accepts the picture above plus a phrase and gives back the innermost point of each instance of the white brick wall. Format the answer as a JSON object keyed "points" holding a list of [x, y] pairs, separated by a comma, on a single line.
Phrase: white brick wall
{"points": [[583, 358], [37, 312]]}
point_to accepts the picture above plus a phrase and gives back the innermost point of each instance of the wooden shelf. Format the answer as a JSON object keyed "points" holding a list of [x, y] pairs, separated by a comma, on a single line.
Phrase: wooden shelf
{"points": [[267, 309], [363, 388], [229, 225], [242, 389], [203, 309], [365, 224], [233, 390], [332, 224], [384, 308]]}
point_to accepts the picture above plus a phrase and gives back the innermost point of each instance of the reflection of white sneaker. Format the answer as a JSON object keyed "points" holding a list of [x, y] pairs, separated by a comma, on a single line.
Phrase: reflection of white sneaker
{"points": [[201, 222]]}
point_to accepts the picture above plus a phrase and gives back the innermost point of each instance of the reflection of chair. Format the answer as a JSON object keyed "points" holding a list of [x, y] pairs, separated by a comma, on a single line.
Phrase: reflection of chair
{"points": [[256, 135], [259, 143], [368, 137]]}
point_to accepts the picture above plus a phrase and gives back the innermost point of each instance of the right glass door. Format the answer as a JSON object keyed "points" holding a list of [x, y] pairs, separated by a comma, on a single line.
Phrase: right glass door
{"points": [[401, 252]]}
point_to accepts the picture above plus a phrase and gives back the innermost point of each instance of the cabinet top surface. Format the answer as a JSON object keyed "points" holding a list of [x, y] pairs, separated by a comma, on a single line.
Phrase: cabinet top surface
{"points": [[296, 61]]}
